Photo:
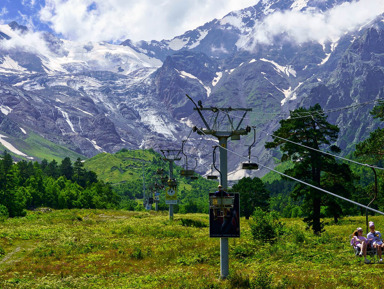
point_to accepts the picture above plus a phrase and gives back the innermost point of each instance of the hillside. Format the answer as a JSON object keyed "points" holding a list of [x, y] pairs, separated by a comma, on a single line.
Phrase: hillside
{"points": [[129, 171], [31, 146]]}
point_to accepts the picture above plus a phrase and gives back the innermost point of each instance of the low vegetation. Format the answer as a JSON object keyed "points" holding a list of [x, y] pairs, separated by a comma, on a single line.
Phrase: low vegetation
{"points": [[82, 248]]}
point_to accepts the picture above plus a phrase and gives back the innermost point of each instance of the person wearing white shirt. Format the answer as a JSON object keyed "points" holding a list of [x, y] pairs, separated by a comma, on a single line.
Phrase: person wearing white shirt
{"points": [[374, 237]]}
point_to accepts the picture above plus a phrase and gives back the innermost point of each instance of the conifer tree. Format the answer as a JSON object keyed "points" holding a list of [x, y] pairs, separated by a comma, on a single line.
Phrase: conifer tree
{"points": [[308, 127]]}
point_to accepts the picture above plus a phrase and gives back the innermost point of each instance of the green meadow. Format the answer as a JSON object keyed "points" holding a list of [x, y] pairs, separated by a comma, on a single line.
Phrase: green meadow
{"points": [[121, 249]]}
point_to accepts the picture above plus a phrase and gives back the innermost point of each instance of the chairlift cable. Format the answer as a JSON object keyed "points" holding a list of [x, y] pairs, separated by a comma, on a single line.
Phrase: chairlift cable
{"points": [[310, 185], [318, 112], [326, 153]]}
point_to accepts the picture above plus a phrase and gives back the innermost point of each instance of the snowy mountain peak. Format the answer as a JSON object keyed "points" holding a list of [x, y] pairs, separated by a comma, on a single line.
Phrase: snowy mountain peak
{"points": [[52, 55]]}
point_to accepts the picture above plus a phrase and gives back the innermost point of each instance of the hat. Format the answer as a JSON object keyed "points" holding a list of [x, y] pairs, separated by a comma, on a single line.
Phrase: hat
{"points": [[359, 229], [371, 224]]}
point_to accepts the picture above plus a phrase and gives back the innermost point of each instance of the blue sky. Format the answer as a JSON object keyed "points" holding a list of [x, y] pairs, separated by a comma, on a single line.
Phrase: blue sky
{"points": [[23, 12], [116, 20]]}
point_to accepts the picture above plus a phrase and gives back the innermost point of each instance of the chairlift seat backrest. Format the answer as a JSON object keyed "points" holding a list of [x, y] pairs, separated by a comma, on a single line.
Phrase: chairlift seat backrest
{"points": [[187, 173], [221, 202], [250, 166], [212, 177]]}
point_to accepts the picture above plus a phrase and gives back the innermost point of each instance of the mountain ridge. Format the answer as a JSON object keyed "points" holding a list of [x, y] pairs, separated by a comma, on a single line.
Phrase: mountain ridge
{"points": [[103, 97]]}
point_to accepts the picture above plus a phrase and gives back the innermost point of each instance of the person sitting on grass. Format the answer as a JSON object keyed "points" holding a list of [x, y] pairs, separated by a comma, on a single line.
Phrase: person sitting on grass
{"points": [[374, 237], [359, 241]]}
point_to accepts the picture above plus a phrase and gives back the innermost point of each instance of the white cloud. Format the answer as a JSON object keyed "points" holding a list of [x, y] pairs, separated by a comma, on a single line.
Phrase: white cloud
{"points": [[3, 11], [29, 3], [30, 41], [116, 20], [312, 25]]}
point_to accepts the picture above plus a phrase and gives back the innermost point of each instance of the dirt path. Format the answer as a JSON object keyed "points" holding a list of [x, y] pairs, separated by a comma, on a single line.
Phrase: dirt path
{"points": [[16, 254], [9, 256]]}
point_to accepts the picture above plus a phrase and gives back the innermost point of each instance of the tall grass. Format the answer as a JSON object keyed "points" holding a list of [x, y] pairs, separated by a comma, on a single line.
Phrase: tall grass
{"points": [[120, 249]]}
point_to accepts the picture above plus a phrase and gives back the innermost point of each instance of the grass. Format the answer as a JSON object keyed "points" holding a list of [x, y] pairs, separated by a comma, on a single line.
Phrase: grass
{"points": [[39, 148], [120, 249], [122, 166]]}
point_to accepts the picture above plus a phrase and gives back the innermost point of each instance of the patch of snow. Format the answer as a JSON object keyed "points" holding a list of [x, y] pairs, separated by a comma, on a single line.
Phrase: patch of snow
{"points": [[219, 75], [237, 174], [328, 55], [100, 149], [290, 94], [299, 4], [86, 112], [288, 70], [177, 43], [58, 100], [234, 20], [5, 109], [22, 130], [21, 83], [253, 60], [334, 45], [187, 122], [203, 34], [123, 140], [319, 80], [66, 117], [10, 147], [10, 64], [158, 123], [186, 74]]}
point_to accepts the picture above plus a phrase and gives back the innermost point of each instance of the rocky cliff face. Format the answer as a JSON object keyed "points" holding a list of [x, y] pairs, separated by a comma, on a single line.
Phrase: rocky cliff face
{"points": [[102, 97]]}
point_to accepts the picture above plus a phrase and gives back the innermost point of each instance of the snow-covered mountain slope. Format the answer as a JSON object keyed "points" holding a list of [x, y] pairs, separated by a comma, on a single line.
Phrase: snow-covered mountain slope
{"points": [[94, 97], [54, 56]]}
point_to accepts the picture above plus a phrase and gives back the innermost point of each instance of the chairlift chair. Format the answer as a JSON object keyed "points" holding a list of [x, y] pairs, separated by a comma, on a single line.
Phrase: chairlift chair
{"points": [[185, 172], [211, 176], [249, 165], [194, 176]]}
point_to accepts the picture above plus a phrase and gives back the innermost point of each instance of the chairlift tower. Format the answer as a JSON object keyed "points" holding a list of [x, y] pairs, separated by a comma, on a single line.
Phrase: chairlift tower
{"points": [[171, 156], [234, 132]]}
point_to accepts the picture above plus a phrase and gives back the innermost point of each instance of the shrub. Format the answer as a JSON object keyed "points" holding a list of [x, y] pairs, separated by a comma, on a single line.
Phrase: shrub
{"points": [[239, 280], [137, 254], [299, 237], [4, 214], [263, 280], [265, 226], [193, 223]]}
